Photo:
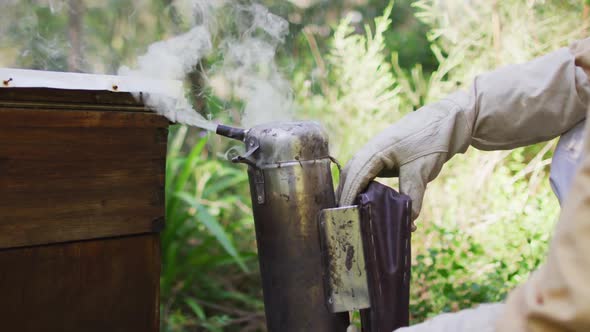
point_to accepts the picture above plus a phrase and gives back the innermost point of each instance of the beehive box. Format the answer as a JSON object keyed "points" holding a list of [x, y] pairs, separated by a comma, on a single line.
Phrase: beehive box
{"points": [[82, 167]]}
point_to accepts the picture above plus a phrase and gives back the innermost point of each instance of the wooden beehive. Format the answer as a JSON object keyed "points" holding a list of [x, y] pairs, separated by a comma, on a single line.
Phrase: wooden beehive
{"points": [[81, 204]]}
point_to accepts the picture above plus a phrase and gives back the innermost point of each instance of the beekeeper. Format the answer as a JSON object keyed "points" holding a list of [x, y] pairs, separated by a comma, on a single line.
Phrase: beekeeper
{"points": [[508, 108]]}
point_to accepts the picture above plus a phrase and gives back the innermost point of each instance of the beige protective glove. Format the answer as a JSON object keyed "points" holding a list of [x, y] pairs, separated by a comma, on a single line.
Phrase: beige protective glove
{"points": [[479, 319], [511, 107]]}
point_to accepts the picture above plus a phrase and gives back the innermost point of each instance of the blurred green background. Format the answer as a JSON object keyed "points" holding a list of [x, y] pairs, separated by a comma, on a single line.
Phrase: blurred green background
{"points": [[357, 66]]}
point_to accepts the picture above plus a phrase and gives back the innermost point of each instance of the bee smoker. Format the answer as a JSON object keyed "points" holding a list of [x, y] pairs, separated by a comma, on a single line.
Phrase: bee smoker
{"points": [[317, 261]]}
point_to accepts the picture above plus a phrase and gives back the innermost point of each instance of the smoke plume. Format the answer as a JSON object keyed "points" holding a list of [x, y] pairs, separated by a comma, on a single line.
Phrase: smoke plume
{"points": [[249, 41]]}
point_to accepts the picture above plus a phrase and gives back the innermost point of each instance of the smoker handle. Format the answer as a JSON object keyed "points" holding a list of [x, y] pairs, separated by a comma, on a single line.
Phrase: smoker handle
{"points": [[338, 165], [386, 231]]}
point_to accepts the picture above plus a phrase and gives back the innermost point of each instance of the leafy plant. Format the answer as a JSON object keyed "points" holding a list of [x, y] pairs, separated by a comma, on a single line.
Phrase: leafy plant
{"points": [[206, 279], [353, 91]]}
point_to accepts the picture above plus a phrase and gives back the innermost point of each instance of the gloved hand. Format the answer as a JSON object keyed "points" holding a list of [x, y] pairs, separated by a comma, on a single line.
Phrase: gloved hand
{"points": [[511, 107], [479, 319]]}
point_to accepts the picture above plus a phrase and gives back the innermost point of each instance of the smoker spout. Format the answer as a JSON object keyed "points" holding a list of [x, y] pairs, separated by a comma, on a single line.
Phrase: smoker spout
{"points": [[231, 132]]}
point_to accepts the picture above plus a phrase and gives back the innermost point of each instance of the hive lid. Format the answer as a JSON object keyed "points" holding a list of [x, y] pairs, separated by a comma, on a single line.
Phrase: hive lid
{"points": [[24, 78], [22, 85]]}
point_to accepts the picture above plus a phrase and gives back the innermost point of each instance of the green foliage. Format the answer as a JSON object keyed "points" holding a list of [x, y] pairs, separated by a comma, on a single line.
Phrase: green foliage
{"points": [[479, 36], [354, 82], [456, 267], [206, 280], [44, 36], [34, 34], [487, 229]]}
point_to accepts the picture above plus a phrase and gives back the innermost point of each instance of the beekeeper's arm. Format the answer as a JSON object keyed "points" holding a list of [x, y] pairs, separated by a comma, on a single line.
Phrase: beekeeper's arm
{"points": [[511, 107], [557, 296]]}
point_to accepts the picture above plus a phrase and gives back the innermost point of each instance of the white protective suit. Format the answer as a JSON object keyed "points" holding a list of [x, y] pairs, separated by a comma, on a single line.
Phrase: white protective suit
{"points": [[511, 107], [566, 159]]}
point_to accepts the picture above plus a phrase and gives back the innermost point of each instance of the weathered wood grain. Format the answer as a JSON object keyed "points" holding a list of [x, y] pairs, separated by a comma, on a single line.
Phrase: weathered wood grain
{"points": [[91, 286], [30, 118], [69, 175], [81, 204]]}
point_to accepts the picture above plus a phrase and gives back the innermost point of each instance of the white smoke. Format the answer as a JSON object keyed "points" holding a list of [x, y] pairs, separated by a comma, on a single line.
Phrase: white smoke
{"points": [[248, 66], [172, 58]]}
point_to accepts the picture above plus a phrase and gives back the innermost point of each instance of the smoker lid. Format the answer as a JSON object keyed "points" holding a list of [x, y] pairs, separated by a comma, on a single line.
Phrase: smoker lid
{"points": [[289, 142], [24, 78]]}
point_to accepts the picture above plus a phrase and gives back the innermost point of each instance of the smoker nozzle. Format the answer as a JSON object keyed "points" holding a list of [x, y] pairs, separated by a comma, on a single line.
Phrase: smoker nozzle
{"points": [[231, 132]]}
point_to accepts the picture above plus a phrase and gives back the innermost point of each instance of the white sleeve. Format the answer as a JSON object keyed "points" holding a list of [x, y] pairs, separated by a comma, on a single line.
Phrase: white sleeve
{"points": [[566, 159]]}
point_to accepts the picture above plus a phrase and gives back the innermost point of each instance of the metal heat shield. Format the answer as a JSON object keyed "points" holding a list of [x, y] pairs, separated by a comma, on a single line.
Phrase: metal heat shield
{"points": [[367, 257], [345, 275]]}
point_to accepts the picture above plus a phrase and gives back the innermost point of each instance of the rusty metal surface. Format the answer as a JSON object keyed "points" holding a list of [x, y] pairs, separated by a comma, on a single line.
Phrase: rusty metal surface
{"points": [[346, 276], [293, 167]]}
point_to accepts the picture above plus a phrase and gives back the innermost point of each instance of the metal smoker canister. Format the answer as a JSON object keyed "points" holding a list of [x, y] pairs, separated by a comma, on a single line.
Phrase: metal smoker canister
{"points": [[290, 182]]}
